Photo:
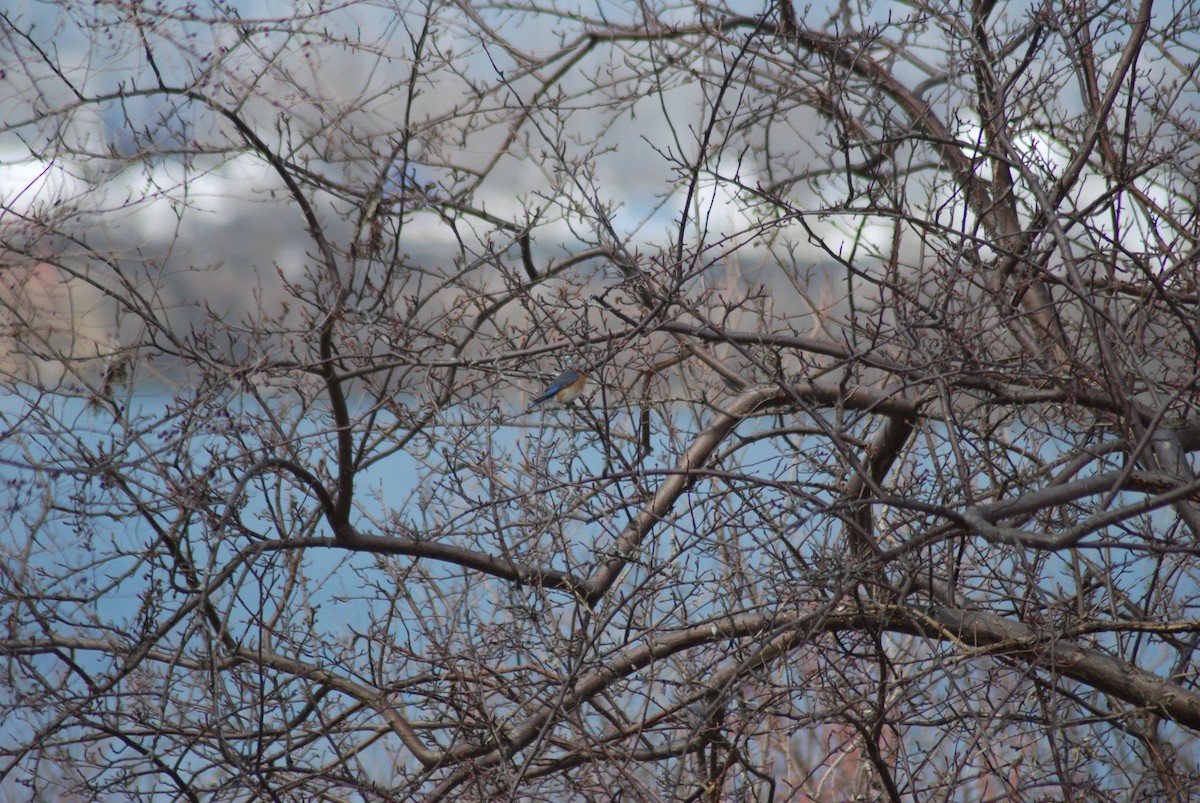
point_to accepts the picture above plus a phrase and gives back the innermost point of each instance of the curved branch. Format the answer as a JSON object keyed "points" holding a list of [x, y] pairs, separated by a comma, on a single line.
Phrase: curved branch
{"points": [[705, 444]]}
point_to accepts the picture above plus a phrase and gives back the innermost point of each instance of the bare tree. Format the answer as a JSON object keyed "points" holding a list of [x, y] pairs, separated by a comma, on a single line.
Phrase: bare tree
{"points": [[882, 486]]}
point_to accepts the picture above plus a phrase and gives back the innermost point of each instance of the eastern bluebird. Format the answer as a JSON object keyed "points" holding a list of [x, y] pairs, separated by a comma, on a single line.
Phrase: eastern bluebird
{"points": [[565, 388]]}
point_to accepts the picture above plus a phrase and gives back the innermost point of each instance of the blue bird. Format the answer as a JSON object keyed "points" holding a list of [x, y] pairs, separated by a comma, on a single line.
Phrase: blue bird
{"points": [[565, 388]]}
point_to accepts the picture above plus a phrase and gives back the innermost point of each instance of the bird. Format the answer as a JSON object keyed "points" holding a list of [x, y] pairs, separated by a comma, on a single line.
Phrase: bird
{"points": [[565, 388]]}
